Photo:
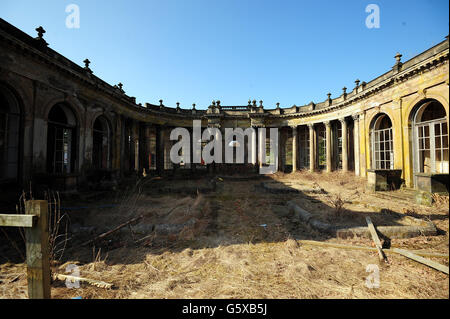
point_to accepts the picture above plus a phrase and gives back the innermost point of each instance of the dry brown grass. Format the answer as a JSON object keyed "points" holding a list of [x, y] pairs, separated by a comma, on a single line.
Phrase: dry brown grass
{"points": [[238, 247], [265, 270]]}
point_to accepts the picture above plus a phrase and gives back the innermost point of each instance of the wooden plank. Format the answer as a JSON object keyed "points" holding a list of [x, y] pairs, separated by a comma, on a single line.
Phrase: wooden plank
{"points": [[375, 239], [97, 283], [17, 220], [422, 260], [38, 263], [365, 248]]}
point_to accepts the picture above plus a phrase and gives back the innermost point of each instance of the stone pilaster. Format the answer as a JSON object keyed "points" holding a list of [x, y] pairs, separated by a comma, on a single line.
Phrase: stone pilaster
{"points": [[311, 147], [344, 145], [294, 148], [328, 144], [356, 143]]}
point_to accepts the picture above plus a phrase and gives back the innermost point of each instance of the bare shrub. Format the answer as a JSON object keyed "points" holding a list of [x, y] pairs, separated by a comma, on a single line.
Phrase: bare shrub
{"points": [[337, 203], [58, 227], [58, 223]]}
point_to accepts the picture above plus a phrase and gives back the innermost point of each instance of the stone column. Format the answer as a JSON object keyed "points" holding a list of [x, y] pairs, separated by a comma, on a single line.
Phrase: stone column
{"points": [[344, 145], [135, 141], [148, 150], [281, 148], [311, 147], [294, 148], [261, 148], [159, 149], [356, 142], [328, 144], [254, 155]]}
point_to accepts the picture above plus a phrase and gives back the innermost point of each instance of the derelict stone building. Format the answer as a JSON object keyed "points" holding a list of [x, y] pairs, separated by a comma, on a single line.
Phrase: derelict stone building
{"points": [[60, 124]]}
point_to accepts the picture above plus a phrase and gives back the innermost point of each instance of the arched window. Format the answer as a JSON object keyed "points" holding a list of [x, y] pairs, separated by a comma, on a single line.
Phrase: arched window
{"points": [[101, 143], [382, 143], [9, 135], [61, 140], [431, 139]]}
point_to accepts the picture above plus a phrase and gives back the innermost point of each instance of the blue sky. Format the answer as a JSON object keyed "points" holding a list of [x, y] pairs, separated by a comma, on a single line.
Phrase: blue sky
{"points": [[196, 51]]}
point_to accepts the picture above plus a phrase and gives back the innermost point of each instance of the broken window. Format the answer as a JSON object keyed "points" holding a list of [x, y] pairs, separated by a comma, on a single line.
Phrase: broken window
{"points": [[382, 143], [431, 139], [304, 146], [322, 146], [61, 140], [338, 143], [101, 144], [9, 135]]}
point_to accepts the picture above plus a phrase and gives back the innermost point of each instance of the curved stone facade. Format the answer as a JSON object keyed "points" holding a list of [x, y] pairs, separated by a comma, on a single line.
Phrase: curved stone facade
{"points": [[52, 104]]}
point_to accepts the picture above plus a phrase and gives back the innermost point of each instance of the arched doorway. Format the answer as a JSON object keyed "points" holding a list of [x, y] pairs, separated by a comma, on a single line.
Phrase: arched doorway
{"points": [[430, 134], [9, 136], [61, 140], [382, 142], [101, 143]]}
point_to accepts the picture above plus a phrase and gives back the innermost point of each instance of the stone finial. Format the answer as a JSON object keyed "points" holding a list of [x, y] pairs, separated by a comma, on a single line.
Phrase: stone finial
{"points": [[193, 106], [329, 96], [261, 103], [213, 103], [40, 32], [254, 103], [120, 85], [178, 105], [344, 92], [218, 103], [398, 62], [363, 85], [40, 37], [357, 82], [86, 65], [249, 102], [161, 103], [278, 105]]}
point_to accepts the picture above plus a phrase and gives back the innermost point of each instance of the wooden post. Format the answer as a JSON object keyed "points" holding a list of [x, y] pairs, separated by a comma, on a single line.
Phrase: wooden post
{"points": [[375, 239], [38, 270]]}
